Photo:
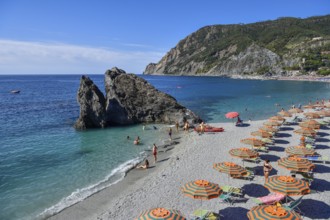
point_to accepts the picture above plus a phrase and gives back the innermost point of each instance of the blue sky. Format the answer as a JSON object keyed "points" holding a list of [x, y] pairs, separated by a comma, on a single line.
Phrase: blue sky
{"points": [[89, 37]]}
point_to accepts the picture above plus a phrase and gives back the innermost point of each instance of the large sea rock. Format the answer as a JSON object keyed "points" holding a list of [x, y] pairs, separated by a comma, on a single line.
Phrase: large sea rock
{"points": [[129, 99]]}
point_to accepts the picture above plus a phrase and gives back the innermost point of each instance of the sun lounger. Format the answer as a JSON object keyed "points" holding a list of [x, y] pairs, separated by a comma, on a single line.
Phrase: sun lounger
{"points": [[253, 160], [235, 191], [227, 198], [248, 176], [318, 159], [202, 214], [309, 146], [261, 149], [269, 199], [293, 206]]}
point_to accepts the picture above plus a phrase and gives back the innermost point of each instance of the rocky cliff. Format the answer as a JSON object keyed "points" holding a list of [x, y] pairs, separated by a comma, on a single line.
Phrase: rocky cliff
{"points": [[129, 99], [271, 48]]}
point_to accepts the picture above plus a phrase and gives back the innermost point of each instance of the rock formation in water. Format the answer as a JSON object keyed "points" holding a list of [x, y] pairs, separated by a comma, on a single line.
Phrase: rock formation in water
{"points": [[129, 100], [92, 105]]}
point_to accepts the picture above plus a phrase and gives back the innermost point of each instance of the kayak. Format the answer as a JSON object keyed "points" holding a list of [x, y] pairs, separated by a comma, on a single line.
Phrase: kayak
{"points": [[210, 129]]}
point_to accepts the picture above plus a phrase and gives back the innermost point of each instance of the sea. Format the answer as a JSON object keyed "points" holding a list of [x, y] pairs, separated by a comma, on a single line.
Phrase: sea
{"points": [[46, 165]]}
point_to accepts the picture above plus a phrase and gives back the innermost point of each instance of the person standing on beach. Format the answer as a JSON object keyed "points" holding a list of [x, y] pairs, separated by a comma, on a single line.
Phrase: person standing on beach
{"points": [[154, 152], [170, 133], [267, 169], [177, 126]]}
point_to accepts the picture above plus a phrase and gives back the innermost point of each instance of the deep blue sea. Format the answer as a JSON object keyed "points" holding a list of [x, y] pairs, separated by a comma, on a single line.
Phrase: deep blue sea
{"points": [[46, 165]]}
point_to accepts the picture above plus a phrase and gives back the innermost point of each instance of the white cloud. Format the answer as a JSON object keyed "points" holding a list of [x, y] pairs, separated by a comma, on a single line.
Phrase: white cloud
{"points": [[19, 57]]}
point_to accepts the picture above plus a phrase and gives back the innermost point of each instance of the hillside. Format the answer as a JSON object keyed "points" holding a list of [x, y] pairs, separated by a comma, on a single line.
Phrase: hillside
{"points": [[283, 47]]}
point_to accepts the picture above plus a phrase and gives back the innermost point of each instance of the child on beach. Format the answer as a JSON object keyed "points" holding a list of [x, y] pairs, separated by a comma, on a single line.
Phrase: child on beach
{"points": [[154, 152]]}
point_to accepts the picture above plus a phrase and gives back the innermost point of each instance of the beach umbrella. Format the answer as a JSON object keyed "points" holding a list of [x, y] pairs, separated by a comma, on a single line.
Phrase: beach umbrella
{"points": [[271, 212], [243, 153], [305, 132], [276, 118], [272, 123], [309, 125], [311, 121], [253, 141], [299, 151], [232, 115], [308, 106], [312, 115], [230, 168], [296, 164], [287, 185], [295, 110], [161, 214], [263, 134], [284, 114], [324, 113], [268, 129], [201, 189]]}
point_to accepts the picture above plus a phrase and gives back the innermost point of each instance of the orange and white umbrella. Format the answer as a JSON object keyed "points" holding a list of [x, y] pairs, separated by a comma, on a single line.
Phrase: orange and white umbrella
{"points": [[272, 123], [253, 142], [305, 132], [263, 134], [243, 153], [312, 115], [276, 118], [201, 189], [230, 168], [268, 129], [295, 110]]}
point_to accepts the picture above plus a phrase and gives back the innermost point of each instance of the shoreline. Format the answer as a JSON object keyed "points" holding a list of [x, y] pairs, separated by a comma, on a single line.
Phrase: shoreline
{"points": [[160, 186]]}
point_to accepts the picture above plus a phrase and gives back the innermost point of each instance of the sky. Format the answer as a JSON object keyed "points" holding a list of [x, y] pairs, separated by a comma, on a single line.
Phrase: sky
{"points": [[91, 36]]}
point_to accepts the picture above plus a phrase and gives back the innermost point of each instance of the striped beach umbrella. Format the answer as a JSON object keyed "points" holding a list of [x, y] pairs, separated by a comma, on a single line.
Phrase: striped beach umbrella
{"points": [[284, 114], [161, 214], [263, 134], [295, 110], [253, 141], [308, 106], [271, 212], [268, 129], [299, 151], [324, 113], [272, 123], [296, 164], [276, 118], [230, 168], [232, 114], [311, 121], [243, 153], [309, 125], [312, 115], [305, 132], [201, 189], [287, 185]]}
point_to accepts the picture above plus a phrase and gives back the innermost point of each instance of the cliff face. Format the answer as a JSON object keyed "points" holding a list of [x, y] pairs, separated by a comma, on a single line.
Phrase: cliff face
{"points": [[275, 48], [129, 100]]}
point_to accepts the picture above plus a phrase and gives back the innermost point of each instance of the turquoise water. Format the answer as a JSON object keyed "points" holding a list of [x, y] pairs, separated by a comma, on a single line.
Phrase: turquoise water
{"points": [[45, 165]]}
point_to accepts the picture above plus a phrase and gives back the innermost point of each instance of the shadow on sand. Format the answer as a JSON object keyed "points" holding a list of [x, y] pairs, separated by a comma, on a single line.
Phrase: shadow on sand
{"points": [[281, 142], [283, 135], [315, 209], [322, 168], [255, 190], [233, 213], [276, 148], [286, 129]]}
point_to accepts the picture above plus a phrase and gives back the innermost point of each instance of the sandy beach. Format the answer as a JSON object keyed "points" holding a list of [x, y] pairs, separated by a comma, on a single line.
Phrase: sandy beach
{"points": [[190, 158]]}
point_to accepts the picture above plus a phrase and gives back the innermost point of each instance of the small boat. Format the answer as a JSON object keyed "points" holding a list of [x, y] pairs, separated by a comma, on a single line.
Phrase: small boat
{"points": [[15, 91], [209, 129]]}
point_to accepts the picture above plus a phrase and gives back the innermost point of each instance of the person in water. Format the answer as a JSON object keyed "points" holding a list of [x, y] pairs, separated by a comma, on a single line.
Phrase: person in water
{"points": [[137, 140]]}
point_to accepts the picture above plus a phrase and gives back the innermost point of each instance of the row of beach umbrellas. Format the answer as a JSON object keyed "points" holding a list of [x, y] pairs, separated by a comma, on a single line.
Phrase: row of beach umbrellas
{"points": [[287, 185]]}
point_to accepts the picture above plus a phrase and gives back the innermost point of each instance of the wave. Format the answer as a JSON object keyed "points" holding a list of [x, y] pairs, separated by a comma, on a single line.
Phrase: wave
{"points": [[79, 195]]}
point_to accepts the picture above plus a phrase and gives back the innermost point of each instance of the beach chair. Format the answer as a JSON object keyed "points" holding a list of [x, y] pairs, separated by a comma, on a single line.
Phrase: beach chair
{"points": [[309, 146], [203, 214], [293, 206], [227, 198], [261, 149], [253, 160], [269, 199], [318, 159], [235, 191]]}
